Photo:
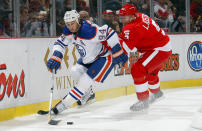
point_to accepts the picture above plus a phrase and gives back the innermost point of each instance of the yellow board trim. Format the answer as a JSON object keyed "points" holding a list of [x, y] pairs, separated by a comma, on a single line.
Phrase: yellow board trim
{"points": [[10, 113], [181, 83]]}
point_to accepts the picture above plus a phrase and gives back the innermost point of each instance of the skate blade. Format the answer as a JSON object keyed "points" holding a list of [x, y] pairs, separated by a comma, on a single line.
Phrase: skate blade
{"points": [[88, 103], [157, 100], [143, 111], [53, 122]]}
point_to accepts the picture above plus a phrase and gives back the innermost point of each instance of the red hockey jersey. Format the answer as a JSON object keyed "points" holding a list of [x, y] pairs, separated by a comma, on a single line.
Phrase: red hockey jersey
{"points": [[144, 34]]}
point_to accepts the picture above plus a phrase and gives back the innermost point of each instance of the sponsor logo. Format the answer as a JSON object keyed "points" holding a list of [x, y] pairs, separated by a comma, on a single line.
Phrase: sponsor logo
{"points": [[194, 56], [64, 82], [66, 56], [171, 64], [11, 85], [126, 69]]}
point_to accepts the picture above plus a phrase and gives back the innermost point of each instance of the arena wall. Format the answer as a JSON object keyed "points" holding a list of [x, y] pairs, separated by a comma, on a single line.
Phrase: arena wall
{"points": [[25, 83]]}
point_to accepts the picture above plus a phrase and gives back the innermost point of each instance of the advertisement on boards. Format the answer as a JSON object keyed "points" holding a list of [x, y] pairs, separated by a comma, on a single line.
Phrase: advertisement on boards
{"points": [[194, 56]]}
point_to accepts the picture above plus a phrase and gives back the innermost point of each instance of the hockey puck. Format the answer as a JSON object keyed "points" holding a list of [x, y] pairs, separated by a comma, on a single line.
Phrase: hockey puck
{"points": [[70, 123]]}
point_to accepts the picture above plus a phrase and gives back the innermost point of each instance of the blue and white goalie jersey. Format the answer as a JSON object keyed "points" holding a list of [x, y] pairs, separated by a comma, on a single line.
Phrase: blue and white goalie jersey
{"points": [[89, 41]]}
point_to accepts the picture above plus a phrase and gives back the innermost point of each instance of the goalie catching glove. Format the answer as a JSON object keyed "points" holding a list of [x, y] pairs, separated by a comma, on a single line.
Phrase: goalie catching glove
{"points": [[119, 57], [55, 61]]}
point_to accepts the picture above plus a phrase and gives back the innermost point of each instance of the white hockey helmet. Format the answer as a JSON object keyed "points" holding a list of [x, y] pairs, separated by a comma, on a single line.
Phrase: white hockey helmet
{"points": [[72, 15]]}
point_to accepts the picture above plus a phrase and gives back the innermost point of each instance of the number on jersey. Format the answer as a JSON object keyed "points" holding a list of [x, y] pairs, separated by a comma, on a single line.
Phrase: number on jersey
{"points": [[146, 24], [126, 34], [102, 34]]}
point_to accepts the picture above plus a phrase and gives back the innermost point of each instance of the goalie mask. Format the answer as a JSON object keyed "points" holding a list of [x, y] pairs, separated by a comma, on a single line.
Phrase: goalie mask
{"points": [[72, 15]]}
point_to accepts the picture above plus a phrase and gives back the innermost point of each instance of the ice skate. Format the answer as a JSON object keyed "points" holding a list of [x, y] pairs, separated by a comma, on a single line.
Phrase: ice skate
{"points": [[88, 98], [154, 97], [59, 107], [140, 105]]}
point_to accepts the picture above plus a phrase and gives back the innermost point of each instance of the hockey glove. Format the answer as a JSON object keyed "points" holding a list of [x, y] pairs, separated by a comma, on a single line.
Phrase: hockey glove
{"points": [[119, 57], [55, 61]]}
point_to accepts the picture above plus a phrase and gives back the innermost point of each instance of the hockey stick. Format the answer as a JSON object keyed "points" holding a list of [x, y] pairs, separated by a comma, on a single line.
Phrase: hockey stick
{"points": [[50, 120], [42, 112]]}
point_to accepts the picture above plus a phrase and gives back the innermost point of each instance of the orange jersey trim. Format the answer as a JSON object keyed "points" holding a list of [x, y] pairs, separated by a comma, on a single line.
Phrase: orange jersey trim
{"points": [[105, 69]]}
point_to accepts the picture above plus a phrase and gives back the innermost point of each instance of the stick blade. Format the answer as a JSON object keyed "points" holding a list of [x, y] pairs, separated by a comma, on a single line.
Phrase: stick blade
{"points": [[53, 122], [42, 112]]}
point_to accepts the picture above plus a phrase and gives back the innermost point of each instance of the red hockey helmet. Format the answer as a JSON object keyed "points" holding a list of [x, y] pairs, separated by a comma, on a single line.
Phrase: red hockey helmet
{"points": [[128, 9]]}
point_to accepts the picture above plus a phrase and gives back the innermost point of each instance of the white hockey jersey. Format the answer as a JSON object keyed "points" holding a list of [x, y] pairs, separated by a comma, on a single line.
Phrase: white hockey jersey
{"points": [[90, 41]]}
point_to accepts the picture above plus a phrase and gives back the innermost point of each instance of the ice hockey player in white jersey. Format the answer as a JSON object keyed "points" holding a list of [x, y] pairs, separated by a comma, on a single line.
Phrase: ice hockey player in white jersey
{"points": [[99, 50]]}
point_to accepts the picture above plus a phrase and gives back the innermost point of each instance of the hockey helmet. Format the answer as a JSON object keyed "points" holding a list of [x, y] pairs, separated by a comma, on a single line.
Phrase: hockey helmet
{"points": [[72, 15], [128, 9]]}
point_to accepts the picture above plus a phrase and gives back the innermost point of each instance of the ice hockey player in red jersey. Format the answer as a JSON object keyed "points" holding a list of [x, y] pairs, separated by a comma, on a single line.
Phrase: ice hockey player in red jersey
{"points": [[142, 33]]}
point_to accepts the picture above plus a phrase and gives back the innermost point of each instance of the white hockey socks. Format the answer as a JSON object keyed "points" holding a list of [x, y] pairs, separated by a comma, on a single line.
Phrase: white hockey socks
{"points": [[75, 93]]}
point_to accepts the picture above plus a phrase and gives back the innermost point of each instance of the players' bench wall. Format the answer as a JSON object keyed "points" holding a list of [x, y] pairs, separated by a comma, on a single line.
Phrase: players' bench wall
{"points": [[25, 83]]}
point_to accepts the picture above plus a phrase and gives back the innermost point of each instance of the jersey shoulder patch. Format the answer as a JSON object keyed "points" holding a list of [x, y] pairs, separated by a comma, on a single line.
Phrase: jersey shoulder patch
{"points": [[87, 31]]}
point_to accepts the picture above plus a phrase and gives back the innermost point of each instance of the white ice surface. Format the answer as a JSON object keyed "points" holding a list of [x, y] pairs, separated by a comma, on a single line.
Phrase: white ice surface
{"points": [[173, 113]]}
